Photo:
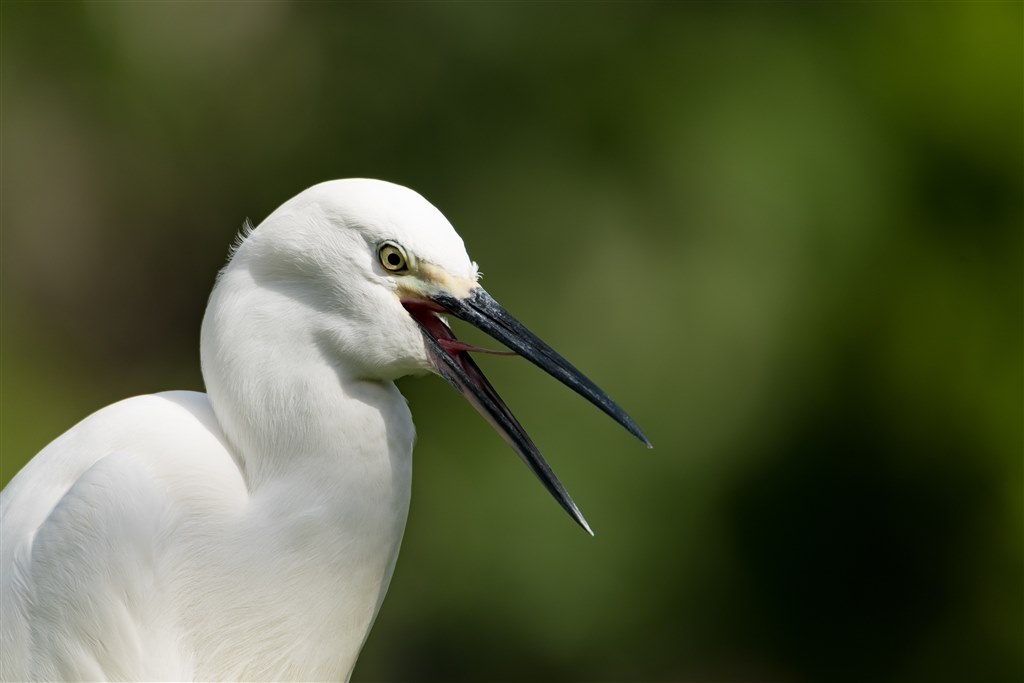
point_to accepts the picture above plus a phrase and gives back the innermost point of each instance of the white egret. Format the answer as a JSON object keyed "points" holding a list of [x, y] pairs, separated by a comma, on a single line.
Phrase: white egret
{"points": [[250, 533]]}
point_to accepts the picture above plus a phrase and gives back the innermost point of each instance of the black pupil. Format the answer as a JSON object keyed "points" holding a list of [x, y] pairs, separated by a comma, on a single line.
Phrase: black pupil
{"points": [[394, 259]]}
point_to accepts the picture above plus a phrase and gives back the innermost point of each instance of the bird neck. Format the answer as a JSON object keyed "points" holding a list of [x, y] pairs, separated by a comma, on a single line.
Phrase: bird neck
{"points": [[327, 460], [287, 405]]}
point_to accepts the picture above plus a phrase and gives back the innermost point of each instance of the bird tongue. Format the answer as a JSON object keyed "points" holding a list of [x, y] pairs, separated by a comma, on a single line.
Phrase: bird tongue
{"points": [[454, 346], [426, 316]]}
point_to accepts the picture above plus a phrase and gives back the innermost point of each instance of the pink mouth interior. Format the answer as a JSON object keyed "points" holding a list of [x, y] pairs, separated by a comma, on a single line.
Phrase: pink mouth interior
{"points": [[426, 314]]}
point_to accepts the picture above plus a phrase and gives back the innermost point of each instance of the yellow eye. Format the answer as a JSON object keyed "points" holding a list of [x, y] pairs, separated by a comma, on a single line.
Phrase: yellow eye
{"points": [[393, 257]]}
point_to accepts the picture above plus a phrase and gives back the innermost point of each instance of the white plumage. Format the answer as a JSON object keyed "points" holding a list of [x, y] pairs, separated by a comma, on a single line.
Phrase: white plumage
{"points": [[250, 533]]}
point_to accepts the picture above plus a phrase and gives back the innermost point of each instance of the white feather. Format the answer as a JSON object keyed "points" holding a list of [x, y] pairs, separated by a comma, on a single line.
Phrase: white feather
{"points": [[249, 533]]}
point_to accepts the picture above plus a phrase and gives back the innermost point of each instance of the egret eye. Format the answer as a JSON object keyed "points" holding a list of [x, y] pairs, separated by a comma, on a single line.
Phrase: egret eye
{"points": [[393, 257]]}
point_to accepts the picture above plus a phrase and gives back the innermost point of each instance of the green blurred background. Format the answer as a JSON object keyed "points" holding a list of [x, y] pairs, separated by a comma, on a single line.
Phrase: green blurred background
{"points": [[787, 238]]}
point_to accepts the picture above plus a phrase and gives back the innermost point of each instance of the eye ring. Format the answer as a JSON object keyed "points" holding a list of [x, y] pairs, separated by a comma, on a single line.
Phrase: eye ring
{"points": [[393, 257]]}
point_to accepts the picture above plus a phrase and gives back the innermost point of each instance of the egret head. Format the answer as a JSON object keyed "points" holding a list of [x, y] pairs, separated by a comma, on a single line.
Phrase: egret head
{"points": [[378, 267]]}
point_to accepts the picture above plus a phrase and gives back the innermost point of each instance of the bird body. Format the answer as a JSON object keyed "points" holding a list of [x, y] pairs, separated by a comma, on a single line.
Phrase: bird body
{"points": [[142, 533], [250, 533]]}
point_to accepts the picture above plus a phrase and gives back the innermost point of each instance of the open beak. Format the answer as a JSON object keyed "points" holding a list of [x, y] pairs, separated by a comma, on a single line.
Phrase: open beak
{"points": [[452, 361]]}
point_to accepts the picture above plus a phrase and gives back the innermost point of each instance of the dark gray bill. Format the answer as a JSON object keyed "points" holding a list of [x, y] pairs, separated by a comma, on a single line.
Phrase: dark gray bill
{"points": [[452, 362], [481, 310]]}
